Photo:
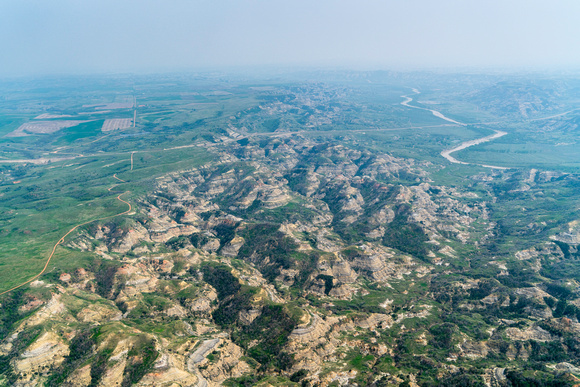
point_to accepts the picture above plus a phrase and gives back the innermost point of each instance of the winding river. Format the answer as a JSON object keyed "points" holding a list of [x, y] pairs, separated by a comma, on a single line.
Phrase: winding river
{"points": [[447, 153]]}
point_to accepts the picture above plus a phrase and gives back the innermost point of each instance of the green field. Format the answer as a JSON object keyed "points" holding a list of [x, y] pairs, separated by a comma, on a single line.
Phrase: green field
{"points": [[50, 200]]}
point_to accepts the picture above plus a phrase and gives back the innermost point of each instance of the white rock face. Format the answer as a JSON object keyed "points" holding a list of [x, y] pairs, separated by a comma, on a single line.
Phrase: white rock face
{"points": [[48, 349], [531, 333], [232, 248]]}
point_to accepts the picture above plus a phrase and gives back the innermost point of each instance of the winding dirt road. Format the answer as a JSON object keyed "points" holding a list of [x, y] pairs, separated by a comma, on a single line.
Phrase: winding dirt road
{"points": [[61, 240]]}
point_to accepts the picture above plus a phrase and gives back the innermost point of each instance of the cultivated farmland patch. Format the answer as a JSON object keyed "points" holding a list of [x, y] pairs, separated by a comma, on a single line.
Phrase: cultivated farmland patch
{"points": [[109, 106], [47, 116], [43, 127], [116, 124]]}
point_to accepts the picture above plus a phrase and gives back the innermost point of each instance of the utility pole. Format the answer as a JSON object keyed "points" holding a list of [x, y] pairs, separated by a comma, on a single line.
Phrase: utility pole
{"points": [[134, 111]]}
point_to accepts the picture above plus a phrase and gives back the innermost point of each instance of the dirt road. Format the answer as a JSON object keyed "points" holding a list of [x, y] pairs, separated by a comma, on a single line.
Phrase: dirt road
{"points": [[61, 240]]}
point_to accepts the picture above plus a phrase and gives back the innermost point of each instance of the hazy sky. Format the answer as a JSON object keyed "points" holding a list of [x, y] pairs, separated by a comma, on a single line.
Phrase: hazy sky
{"points": [[84, 36]]}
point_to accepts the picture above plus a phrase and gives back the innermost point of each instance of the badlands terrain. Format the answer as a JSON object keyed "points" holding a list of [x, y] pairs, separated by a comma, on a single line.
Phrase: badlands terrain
{"points": [[297, 233]]}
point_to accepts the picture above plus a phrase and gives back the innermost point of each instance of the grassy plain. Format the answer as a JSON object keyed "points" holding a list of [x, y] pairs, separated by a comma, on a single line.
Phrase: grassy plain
{"points": [[49, 200], [540, 153]]}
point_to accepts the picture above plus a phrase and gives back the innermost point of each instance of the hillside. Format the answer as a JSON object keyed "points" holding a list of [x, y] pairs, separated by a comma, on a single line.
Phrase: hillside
{"points": [[296, 251]]}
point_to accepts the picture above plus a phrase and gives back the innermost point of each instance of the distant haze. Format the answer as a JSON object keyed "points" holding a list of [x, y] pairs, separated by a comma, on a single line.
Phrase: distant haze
{"points": [[84, 36]]}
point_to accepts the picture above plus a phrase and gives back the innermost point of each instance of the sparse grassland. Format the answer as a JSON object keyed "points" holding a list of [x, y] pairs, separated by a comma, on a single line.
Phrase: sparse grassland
{"points": [[51, 199]]}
